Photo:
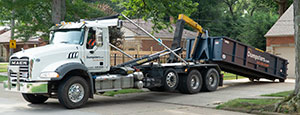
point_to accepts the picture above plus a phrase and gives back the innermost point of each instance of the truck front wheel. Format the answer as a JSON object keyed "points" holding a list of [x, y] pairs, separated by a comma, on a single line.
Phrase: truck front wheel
{"points": [[170, 79], [34, 99], [73, 92]]}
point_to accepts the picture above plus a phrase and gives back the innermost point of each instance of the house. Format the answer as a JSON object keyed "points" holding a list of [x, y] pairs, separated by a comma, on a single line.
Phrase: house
{"points": [[5, 36], [136, 39], [280, 39]]}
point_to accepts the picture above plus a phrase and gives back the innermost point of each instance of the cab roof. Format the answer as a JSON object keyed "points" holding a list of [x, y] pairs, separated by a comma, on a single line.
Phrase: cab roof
{"points": [[88, 23]]}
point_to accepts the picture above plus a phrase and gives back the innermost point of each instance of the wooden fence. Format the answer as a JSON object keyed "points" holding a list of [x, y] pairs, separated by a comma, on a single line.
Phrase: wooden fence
{"points": [[117, 57]]}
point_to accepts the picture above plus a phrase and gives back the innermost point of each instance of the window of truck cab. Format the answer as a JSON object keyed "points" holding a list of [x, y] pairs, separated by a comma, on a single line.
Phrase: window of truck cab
{"points": [[68, 36], [91, 39]]}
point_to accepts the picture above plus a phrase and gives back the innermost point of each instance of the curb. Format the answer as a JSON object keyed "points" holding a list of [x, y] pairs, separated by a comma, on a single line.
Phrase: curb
{"points": [[252, 111]]}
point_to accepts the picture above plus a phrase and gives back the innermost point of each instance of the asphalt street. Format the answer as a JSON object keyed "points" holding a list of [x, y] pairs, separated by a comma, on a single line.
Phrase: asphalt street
{"points": [[148, 103]]}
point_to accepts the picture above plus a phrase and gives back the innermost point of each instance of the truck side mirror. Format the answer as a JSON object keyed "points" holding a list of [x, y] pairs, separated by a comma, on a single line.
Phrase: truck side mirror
{"points": [[51, 36], [99, 37], [120, 24]]}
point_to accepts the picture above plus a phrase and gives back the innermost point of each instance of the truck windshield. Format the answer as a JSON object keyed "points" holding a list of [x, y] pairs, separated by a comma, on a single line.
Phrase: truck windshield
{"points": [[67, 37]]}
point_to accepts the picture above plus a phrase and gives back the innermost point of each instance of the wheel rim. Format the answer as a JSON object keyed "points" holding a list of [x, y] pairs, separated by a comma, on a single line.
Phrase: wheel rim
{"points": [[76, 92], [194, 82], [212, 79], [171, 79]]}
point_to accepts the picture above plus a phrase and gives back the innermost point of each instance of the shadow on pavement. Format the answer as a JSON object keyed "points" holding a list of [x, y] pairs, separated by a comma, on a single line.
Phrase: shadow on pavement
{"points": [[53, 105]]}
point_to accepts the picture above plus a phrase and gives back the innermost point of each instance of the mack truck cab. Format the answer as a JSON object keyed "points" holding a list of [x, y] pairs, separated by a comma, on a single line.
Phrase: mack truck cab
{"points": [[70, 66]]}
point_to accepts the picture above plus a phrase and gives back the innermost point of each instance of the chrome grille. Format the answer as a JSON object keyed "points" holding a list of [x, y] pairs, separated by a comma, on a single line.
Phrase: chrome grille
{"points": [[23, 64]]}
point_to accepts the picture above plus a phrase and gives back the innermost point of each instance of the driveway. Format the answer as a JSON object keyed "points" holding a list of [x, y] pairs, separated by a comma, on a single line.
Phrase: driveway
{"points": [[148, 103]]}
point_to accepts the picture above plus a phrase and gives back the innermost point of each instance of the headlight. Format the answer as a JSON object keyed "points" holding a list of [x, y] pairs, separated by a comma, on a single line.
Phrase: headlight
{"points": [[49, 75]]}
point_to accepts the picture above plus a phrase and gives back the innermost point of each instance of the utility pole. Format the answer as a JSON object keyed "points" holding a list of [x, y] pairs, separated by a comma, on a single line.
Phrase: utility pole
{"points": [[12, 28]]}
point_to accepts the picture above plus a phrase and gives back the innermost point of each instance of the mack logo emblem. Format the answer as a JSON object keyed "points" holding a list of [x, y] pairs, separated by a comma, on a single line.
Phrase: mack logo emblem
{"points": [[19, 63]]}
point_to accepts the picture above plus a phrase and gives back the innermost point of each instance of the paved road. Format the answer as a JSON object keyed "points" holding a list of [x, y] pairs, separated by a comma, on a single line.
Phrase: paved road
{"points": [[148, 103]]}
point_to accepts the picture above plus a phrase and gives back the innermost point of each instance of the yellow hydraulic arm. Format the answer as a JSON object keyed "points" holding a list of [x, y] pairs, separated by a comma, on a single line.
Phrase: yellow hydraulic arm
{"points": [[182, 19], [191, 22]]}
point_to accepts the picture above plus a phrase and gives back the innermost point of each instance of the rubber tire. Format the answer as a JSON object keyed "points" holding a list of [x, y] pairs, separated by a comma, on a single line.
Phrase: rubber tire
{"points": [[165, 86], [185, 83], [281, 80], [64, 88], [34, 99], [255, 79], [159, 89], [251, 79], [206, 86]]}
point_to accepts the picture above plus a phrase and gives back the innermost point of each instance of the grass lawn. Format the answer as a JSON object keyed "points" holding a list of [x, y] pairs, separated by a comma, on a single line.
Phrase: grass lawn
{"points": [[249, 104], [3, 67], [230, 76], [3, 78], [254, 104], [279, 94], [123, 91]]}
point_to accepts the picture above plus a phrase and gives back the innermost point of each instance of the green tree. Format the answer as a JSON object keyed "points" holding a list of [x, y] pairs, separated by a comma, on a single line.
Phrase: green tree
{"points": [[244, 20], [38, 15], [157, 10], [209, 14], [280, 6], [253, 28], [78, 9], [28, 22]]}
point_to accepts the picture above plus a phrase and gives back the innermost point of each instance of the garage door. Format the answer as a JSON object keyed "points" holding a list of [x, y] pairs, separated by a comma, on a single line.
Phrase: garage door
{"points": [[289, 54]]}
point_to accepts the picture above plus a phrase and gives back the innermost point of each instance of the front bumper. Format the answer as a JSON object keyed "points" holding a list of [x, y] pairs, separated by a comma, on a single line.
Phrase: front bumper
{"points": [[15, 83], [24, 87]]}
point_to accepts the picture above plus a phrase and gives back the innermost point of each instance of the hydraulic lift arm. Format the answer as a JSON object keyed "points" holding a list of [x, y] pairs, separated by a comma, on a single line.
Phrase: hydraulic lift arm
{"points": [[191, 22], [182, 19]]}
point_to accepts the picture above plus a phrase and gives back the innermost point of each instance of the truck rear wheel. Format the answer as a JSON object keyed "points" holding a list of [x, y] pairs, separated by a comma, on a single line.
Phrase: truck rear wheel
{"points": [[254, 79], [170, 79], [211, 80], [281, 80], [73, 92], [159, 89], [191, 83], [34, 99]]}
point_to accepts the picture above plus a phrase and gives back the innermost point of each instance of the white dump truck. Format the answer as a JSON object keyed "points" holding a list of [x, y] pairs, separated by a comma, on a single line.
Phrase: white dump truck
{"points": [[75, 65]]}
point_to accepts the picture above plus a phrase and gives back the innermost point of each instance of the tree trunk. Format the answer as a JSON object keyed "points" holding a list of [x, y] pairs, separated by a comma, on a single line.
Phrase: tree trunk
{"points": [[292, 103], [283, 6], [297, 45], [58, 11]]}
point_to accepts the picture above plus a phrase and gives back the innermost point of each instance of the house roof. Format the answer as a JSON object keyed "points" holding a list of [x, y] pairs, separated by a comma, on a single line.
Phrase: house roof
{"points": [[5, 38], [147, 25], [284, 25]]}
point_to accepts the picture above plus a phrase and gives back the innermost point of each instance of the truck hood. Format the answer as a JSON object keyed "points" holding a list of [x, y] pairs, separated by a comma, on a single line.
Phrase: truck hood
{"points": [[49, 57], [50, 49]]}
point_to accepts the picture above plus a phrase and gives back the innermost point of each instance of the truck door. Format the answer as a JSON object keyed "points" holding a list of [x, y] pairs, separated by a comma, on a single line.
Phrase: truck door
{"points": [[97, 57]]}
